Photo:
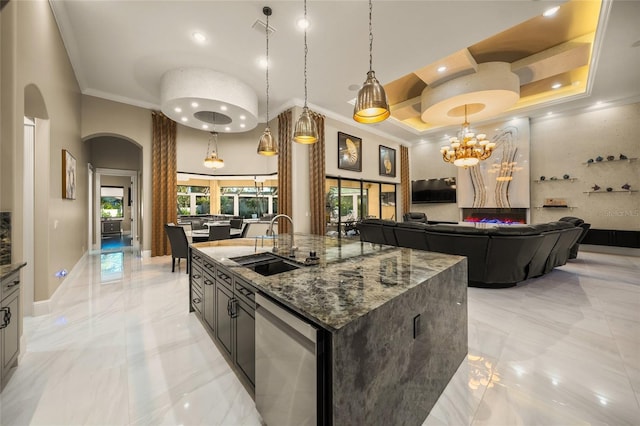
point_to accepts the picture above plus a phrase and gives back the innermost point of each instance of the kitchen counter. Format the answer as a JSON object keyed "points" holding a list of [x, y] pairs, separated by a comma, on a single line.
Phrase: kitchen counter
{"points": [[6, 270], [351, 279], [396, 319]]}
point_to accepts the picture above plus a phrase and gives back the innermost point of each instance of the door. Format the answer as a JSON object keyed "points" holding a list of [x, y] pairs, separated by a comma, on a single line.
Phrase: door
{"points": [[209, 301], [223, 325], [245, 339]]}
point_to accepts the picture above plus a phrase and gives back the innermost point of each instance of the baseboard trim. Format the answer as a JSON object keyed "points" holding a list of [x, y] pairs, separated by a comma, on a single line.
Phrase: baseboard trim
{"points": [[146, 254], [43, 307], [622, 251]]}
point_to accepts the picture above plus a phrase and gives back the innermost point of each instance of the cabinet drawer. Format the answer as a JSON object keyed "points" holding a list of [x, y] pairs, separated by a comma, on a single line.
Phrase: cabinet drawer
{"points": [[208, 279], [10, 284], [197, 277], [245, 292], [196, 259], [196, 300], [208, 266], [224, 277]]}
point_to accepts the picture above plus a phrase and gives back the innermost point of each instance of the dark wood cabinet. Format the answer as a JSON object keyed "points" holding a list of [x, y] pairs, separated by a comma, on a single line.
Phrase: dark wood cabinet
{"points": [[245, 347], [9, 333], [224, 324], [225, 305], [112, 227]]}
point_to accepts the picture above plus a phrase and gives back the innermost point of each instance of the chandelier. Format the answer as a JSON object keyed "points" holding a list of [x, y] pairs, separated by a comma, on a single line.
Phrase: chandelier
{"points": [[467, 149], [212, 161], [267, 145], [306, 130]]}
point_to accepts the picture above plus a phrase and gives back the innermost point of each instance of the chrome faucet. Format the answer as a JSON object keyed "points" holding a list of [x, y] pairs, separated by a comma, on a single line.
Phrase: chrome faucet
{"points": [[270, 231]]}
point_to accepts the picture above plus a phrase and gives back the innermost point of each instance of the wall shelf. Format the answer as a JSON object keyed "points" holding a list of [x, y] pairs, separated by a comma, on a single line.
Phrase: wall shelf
{"points": [[556, 207], [610, 192], [555, 180], [610, 161]]}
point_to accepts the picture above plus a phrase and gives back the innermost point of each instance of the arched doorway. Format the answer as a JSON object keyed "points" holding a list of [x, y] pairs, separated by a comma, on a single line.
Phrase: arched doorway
{"points": [[115, 202], [36, 134]]}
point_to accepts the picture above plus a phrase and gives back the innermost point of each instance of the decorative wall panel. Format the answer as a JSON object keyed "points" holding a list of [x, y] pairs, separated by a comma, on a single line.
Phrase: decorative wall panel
{"points": [[503, 179]]}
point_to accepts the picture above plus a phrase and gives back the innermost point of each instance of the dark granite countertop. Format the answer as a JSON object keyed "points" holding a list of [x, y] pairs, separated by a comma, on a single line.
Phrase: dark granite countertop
{"points": [[6, 270], [352, 279]]}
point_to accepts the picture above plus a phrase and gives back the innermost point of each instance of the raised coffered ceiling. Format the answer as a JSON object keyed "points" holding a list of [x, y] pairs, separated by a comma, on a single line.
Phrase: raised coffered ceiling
{"points": [[120, 50]]}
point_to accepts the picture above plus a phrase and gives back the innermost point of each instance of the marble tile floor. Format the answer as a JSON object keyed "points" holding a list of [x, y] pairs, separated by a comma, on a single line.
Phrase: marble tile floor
{"points": [[120, 348]]}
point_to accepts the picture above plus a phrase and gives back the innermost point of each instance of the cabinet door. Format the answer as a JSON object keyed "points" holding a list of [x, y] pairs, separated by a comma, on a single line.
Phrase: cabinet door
{"points": [[209, 301], [223, 325], [9, 335], [245, 349]]}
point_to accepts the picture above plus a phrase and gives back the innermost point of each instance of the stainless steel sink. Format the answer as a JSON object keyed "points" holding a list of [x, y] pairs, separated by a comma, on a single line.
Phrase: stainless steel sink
{"points": [[266, 263]]}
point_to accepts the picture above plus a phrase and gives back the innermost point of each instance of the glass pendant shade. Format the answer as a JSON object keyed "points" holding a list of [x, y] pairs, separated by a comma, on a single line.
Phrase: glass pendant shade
{"points": [[306, 131], [213, 162], [267, 145], [371, 103]]}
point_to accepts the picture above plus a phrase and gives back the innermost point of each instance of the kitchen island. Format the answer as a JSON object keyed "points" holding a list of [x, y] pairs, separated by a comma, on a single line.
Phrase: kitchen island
{"points": [[393, 320]]}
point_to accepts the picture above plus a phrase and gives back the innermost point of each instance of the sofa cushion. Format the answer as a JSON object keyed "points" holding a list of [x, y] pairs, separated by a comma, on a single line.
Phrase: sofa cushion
{"points": [[414, 225], [459, 229], [575, 221], [515, 230]]}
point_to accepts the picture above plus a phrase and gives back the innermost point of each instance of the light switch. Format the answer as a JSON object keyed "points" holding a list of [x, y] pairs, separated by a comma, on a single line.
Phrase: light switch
{"points": [[416, 326]]}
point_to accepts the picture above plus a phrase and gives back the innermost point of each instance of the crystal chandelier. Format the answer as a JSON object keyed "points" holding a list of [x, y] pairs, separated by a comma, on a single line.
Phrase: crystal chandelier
{"points": [[212, 161], [467, 149]]}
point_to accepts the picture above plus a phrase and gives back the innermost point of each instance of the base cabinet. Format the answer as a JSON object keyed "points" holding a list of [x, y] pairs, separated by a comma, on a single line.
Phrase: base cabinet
{"points": [[9, 333], [227, 311]]}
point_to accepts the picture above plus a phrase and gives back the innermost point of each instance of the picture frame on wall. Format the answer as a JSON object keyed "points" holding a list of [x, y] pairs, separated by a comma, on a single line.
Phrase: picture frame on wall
{"points": [[68, 175], [387, 161], [349, 152]]}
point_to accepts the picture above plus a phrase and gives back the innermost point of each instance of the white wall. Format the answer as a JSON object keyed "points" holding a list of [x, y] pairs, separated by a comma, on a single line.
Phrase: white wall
{"points": [[561, 144]]}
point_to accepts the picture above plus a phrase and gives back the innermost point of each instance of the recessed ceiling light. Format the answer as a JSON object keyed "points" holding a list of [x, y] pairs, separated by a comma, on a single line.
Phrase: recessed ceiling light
{"points": [[599, 103], [205, 126], [302, 23], [199, 37], [242, 125], [194, 104], [556, 86], [223, 107], [177, 109], [184, 119], [550, 12], [227, 128], [442, 69], [262, 62], [242, 117], [550, 113]]}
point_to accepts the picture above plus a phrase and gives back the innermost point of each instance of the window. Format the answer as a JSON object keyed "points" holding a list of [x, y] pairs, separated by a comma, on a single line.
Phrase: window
{"points": [[348, 200], [112, 202], [193, 200], [249, 201]]}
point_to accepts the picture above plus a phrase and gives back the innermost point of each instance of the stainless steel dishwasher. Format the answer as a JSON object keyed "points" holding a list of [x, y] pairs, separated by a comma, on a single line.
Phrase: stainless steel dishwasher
{"points": [[287, 366]]}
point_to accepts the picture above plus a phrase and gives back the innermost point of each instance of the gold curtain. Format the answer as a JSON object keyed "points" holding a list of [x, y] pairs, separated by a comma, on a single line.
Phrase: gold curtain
{"points": [[285, 193], [317, 179], [405, 184], [164, 190]]}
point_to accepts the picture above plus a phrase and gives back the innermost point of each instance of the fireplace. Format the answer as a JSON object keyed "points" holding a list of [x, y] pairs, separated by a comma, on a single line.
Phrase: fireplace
{"points": [[495, 215]]}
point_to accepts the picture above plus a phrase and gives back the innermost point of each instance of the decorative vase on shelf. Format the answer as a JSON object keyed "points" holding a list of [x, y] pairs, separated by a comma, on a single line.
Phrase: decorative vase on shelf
{"points": [[610, 158], [623, 157], [609, 189], [626, 187], [599, 158], [565, 177], [595, 187]]}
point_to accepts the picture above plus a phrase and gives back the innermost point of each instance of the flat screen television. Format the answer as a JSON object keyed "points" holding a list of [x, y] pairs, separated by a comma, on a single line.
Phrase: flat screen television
{"points": [[441, 190]]}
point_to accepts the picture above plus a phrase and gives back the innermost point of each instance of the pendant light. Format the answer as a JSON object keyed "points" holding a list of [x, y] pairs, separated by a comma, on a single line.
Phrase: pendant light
{"points": [[306, 130], [267, 145], [371, 103], [212, 161]]}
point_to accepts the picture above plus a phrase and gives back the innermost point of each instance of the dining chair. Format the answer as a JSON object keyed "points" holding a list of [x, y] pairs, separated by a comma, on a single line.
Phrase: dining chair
{"points": [[179, 245], [219, 232]]}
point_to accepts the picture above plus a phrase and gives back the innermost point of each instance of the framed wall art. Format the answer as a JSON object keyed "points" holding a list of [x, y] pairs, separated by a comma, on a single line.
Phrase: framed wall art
{"points": [[349, 152], [68, 175], [387, 161]]}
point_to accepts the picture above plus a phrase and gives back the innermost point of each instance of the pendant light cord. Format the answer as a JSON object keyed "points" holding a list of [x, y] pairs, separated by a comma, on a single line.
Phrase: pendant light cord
{"points": [[306, 50], [370, 37], [267, 73]]}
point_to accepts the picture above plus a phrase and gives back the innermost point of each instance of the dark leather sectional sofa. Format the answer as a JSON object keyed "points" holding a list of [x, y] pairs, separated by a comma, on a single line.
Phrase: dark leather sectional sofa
{"points": [[498, 257]]}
